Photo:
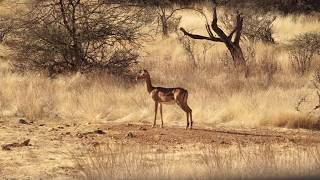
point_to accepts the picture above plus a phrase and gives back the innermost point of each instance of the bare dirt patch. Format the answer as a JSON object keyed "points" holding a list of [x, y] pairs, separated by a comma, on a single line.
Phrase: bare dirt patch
{"points": [[52, 143]]}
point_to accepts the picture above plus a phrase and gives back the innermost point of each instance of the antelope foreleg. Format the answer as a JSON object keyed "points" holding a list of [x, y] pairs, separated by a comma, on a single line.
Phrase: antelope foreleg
{"points": [[155, 114]]}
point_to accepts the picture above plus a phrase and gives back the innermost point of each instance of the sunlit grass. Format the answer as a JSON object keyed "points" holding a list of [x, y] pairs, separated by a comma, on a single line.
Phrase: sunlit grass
{"points": [[204, 162]]}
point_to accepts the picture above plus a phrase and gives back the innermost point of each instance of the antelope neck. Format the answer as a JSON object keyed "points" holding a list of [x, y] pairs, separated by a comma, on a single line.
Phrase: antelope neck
{"points": [[149, 85]]}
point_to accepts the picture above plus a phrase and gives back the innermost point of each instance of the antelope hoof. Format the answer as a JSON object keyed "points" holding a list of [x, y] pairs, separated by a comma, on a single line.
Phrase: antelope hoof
{"points": [[161, 126], [186, 128], [153, 126]]}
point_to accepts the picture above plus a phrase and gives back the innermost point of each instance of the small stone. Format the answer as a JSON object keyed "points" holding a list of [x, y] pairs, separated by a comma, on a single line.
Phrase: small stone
{"points": [[26, 143], [41, 124], [224, 142], [23, 121], [158, 150], [143, 128], [156, 138], [95, 144], [130, 135], [79, 135], [99, 131], [52, 129]]}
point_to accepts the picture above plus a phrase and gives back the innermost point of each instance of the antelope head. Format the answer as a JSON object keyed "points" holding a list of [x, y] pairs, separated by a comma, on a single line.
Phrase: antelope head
{"points": [[142, 74]]}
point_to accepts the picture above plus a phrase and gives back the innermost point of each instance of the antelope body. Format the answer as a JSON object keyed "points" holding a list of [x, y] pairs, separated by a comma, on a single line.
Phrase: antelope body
{"points": [[162, 95]]}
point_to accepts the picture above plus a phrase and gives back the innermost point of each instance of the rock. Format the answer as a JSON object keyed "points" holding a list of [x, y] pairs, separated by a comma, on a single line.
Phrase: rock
{"points": [[159, 150], [52, 129], [142, 128], [99, 131], [41, 124], [23, 121], [95, 144], [25, 143], [224, 142], [79, 135], [7, 147], [156, 138], [130, 135]]}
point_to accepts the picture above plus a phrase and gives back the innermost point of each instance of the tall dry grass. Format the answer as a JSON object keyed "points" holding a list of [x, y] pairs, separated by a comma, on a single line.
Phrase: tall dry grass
{"points": [[217, 94], [205, 162]]}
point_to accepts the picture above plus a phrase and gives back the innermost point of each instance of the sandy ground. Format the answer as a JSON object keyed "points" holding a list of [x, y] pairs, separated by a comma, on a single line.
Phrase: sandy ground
{"points": [[52, 143]]}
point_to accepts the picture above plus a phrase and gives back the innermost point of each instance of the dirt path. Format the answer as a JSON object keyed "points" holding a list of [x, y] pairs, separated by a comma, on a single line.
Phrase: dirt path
{"points": [[52, 143], [144, 134]]}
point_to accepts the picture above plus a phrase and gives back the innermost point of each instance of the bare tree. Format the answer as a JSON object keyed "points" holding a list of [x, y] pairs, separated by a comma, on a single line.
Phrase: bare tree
{"points": [[257, 26], [74, 35], [188, 46], [233, 45], [167, 20]]}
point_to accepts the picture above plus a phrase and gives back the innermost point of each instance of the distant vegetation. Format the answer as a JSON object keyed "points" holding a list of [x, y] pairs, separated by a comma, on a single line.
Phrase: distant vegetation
{"points": [[121, 38], [283, 6]]}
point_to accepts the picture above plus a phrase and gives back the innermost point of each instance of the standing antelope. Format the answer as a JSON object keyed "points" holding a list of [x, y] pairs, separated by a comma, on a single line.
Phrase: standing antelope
{"points": [[162, 95]]}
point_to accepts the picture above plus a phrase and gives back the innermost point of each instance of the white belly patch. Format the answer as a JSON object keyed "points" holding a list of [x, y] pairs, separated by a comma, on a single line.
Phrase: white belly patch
{"points": [[168, 102]]}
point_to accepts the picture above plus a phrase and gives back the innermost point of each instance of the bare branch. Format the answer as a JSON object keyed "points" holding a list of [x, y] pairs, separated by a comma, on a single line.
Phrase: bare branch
{"points": [[209, 31], [233, 47], [176, 10], [302, 100], [317, 106], [75, 35], [214, 14], [238, 29], [231, 33], [196, 36]]}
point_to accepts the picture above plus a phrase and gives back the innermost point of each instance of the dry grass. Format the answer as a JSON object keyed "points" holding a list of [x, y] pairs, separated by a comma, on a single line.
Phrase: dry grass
{"points": [[206, 162], [218, 95]]}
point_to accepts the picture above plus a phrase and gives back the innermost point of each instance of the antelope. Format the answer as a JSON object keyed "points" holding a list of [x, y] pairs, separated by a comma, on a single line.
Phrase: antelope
{"points": [[162, 95]]}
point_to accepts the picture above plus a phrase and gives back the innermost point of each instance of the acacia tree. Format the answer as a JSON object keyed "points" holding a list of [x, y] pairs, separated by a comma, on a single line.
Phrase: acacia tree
{"points": [[166, 18], [74, 35], [233, 44]]}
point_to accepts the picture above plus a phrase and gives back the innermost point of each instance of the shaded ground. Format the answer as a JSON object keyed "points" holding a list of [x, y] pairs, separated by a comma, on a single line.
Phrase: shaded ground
{"points": [[52, 143]]}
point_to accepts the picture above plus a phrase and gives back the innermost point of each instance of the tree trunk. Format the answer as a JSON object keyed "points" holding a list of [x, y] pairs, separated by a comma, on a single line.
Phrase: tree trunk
{"points": [[164, 24], [237, 55], [232, 44]]}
